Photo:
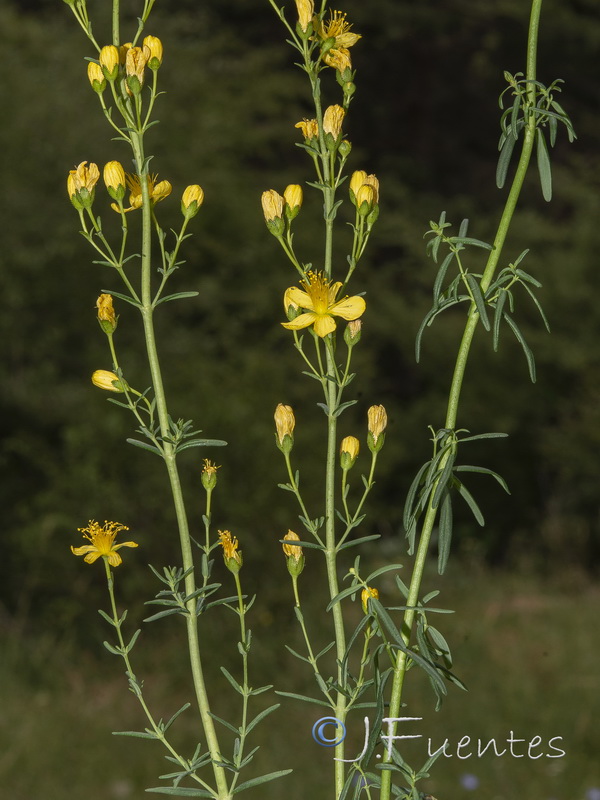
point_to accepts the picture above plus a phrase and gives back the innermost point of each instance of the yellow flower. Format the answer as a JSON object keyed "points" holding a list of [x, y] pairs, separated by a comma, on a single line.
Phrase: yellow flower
{"points": [[106, 313], [309, 128], [155, 50], [338, 58], [372, 180], [80, 184], [365, 199], [293, 554], [359, 177], [337, 28], [332, 120], [272, 205], [102, 542], [293, 196], [114, 179], [285, 422], [306, 10], [231, 555], [96, 77], [136, 60], [191, 200], [157, 191], [109, 381], [109, 61], [365, 595], [209, 475], [377, 423], [349, 452], [319, 300]]}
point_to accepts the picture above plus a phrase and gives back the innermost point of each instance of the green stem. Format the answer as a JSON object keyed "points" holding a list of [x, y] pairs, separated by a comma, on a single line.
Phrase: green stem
{"points": [[457, 378], [135, 686], [170, 461], [115, 23]]}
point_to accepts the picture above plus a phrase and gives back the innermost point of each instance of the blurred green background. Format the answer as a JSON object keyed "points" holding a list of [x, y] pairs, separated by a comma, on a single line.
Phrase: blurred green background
{"points": [[425, 120]]}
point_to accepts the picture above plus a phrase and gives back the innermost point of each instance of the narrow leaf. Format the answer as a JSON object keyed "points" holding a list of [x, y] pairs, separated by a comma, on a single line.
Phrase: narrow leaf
{"points": [[445, 532], [543, 162]]}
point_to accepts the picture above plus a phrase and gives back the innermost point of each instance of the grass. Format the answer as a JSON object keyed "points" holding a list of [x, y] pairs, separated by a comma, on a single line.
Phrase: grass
{"points": [[527, 648]]}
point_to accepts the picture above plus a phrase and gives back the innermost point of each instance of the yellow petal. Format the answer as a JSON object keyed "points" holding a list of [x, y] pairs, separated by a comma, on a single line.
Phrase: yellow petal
{"points": [[81, 551], [297, 296], [332, 291], [114, 559], [91, 557], [303, 321], [349, 308], [324, 325]]}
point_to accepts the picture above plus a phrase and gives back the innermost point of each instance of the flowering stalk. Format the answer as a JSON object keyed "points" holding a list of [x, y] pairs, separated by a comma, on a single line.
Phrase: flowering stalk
{"points": [[456, 385]]}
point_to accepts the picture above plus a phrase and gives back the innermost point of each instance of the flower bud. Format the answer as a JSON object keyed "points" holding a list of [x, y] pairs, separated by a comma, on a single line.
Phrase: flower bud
{"points": [[293, 200], [109, 381], [349, 452], [272, 205], [332, 124], [372, 180], [135, 63], [155, 50], [80, 184], [377, 423], [358, 178], [96, 77], [160, 191], [114, 179], [231, 555], [109, 61], [352, 332], [191, 200], [306, 11], [345, 148], [365, 199], [293, 553], [366, 594], [106, 314], [209, 475], [285, 423]]}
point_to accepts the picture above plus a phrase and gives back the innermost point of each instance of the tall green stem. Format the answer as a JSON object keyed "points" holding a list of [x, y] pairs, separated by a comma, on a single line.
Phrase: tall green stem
{"points": [[458, 375], [173, 473]]}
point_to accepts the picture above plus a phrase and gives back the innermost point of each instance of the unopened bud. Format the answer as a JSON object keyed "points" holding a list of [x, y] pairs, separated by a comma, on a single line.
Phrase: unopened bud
{"points": [[285, 422], [191, 200], [109, 381], [349, 452], [293, 553], [109, 61], [367, 594], [272, 206], [155, 50], [377, 423], [106, 314], [114, 179], [96, 77], [293, 200]]}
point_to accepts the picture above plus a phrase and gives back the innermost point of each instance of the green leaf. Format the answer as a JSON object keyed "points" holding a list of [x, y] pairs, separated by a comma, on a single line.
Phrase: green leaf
{"points": [[180, 791], [270, 776], [304, 698], [543, 162], [484, 471], [478, 298], [136, 734], [362, 540], [504, 160], [144, 446], [439, 280], [470, 501], [125, 297], [526, 349], [343, 407], [498, 314], [259, 717], [175, 715], [514, 116], [176, 296], [445, 532], [201, 443]]}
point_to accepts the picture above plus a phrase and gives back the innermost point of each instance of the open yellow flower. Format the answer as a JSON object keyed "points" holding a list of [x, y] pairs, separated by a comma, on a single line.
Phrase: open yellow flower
{"points": [[102, 540], [337, 28], [338, 56], [319, 300], [157, 190]]}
